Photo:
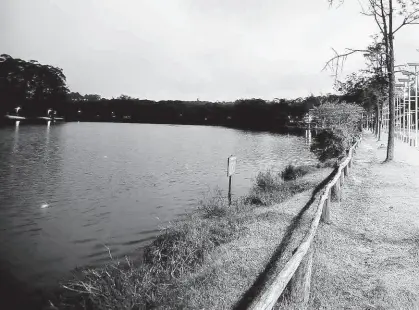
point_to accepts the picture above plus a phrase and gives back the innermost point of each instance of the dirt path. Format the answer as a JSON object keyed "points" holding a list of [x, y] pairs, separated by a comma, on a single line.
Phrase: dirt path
{"points": [[368, 257]]}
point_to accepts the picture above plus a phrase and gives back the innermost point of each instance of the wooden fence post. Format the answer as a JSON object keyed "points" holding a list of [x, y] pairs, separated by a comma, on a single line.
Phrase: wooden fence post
{"points": [[326, 210], [299, 285], [336, 191]]}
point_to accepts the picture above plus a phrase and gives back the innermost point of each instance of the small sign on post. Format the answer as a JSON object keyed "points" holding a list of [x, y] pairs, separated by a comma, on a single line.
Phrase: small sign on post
{"points": [[231, 166], [231, 169]]}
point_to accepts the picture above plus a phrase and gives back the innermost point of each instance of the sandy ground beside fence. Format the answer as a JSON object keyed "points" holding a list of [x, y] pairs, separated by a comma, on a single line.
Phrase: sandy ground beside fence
{"points": [[368, 257]]}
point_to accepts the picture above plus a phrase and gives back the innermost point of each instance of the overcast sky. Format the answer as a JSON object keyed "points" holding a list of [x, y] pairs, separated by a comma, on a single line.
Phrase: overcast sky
{"points": [[188, 49]]}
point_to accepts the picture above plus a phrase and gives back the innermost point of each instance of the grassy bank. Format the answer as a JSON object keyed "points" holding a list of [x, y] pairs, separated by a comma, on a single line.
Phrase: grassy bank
{"points": [[210, 258]]}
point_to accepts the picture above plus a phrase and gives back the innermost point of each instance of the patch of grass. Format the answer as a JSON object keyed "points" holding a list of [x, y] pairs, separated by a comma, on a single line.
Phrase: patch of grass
{"points": [[118, 285], [331, 163], [215, 205], [177, 251], [270, 187], [292, 172], [277, 195], [184, 246], [267, 181]]}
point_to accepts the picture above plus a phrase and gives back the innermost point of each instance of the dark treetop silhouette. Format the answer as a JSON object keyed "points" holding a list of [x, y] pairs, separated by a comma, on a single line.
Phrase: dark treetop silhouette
{"points": [[35, 88]]}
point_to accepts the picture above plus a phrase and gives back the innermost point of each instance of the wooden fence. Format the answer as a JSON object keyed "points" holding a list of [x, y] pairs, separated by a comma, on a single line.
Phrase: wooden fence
{"points": [[297, 271]]}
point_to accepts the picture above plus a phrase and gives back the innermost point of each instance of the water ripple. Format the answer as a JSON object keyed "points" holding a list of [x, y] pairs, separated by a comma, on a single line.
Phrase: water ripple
{"points": [[153, 174]]}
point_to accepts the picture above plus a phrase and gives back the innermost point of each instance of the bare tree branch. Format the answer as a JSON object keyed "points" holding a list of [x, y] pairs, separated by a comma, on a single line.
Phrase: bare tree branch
{"points": [[413, 20], [375, 8], [338, 60]]}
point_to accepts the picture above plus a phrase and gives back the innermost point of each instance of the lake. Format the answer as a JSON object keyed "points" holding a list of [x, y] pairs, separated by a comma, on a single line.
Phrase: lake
{"points": [[69, 191]]}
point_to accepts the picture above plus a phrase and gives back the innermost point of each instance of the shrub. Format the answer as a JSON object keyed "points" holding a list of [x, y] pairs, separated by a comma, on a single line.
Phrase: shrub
{"points": [[330, 163], [276, 195], [341, 125], [329, 144], [267, 180], [292, 172]]}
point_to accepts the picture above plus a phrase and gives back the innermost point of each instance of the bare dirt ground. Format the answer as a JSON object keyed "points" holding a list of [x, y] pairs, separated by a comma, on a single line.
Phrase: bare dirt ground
{"points": [[368, 257]]}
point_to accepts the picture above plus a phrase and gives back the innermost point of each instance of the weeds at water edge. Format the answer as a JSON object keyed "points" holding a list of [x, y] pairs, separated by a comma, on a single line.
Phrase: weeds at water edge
{"points": [[177, 252]]}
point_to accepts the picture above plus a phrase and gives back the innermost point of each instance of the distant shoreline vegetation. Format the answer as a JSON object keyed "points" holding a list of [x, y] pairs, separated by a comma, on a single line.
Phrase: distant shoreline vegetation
{"points": [[35, 89]]}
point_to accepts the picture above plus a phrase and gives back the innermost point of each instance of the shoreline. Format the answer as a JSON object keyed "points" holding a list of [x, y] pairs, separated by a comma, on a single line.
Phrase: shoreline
{"points": [[21, 295], [191, 249], [283, 129]]}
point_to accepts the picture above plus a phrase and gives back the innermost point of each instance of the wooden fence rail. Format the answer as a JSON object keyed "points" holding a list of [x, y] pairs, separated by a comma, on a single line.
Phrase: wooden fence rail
{"points": [[297, 271]]}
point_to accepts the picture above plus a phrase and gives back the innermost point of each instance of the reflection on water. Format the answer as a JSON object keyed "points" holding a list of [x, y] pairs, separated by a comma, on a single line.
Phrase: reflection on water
{"points": [[16, 137], [70, 189]]}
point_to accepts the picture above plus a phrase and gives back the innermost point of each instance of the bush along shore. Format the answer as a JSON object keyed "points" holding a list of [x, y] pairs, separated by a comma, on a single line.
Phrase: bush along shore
{"points": [[210, 259]]}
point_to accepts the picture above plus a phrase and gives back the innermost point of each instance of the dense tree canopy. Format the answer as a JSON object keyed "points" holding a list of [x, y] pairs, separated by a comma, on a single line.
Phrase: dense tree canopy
{"points": [[31, 85]]}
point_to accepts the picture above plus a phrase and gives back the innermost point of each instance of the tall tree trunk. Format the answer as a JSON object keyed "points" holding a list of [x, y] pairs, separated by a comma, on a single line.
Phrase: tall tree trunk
{"points": [[390, 64], [379, 121], [374, 124]]}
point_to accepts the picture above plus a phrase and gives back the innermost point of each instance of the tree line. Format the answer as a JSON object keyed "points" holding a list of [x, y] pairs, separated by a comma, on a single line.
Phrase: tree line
{"points": [[32, 86], [245, 113], [36, 88]]}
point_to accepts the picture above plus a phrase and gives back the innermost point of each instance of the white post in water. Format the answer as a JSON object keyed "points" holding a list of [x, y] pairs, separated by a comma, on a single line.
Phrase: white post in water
{"points": [[231, 169]]}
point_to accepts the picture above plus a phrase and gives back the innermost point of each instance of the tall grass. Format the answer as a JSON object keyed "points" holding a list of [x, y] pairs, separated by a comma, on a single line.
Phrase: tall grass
{"points": [[180, 250], [270, 187], [292, 172]]}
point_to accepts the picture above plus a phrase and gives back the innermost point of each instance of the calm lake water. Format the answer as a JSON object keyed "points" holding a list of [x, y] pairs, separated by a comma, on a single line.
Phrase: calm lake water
{"points": [[69, 189]]}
